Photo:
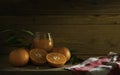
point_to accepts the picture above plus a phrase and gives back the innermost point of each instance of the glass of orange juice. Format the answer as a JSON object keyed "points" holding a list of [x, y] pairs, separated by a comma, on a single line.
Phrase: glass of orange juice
{"points": [[43, 41]]}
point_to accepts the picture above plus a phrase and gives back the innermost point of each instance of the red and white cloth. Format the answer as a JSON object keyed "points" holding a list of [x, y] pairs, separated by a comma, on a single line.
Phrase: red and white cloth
{"points": [[97, 66]]}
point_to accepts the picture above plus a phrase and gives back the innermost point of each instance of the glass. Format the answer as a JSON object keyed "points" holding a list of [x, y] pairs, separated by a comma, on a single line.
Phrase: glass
{"points": [[43, 41]]}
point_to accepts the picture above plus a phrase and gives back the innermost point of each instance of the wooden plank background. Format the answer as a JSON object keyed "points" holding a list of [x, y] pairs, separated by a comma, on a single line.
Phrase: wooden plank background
{"points": [[87, 27]]}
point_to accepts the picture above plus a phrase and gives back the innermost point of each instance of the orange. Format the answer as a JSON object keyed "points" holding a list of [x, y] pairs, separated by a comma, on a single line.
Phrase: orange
{"points": [[19, 57], [63, 50], [56, 59], [38, 56]]}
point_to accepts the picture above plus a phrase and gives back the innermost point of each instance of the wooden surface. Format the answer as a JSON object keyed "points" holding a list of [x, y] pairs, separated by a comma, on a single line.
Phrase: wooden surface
{"points": [[87, 27], [91, 36], [76, 7]]}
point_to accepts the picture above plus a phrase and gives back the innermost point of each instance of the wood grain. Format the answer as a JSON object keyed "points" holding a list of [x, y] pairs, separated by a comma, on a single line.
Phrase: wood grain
{"points": [[88, 28]]}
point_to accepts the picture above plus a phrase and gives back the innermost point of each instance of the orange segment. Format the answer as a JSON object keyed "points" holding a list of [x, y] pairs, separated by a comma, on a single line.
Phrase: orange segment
{"points": [[56, 59], [38, 56]]}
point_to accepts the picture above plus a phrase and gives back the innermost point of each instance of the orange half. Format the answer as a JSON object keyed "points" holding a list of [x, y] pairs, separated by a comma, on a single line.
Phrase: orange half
{"points": [[56, 59], [38, 56]]}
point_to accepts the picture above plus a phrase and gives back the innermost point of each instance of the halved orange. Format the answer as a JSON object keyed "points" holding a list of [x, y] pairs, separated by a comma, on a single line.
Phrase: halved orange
{"points": [[38, 56], [56, 59]]}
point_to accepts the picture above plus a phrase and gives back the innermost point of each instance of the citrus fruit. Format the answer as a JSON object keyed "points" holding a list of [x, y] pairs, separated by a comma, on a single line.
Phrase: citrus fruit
{"points": [[63, 50], [19, 57], [38, 56], [56, 59]]}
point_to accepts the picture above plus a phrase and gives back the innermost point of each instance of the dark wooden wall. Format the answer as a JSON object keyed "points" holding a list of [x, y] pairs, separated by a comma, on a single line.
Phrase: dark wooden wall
{"points": [[87, 27]]}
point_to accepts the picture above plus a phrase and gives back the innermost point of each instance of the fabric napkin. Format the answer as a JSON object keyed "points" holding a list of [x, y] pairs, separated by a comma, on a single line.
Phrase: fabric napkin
{"points": [[107, 65]]}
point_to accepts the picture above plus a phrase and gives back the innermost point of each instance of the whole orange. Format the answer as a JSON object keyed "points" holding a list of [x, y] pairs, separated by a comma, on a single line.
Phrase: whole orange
{"points": [[63, 50], [19, 57]]}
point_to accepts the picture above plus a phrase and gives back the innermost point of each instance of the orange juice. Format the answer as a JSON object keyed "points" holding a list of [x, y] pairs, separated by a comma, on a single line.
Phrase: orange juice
{"points": [[43, 41]]}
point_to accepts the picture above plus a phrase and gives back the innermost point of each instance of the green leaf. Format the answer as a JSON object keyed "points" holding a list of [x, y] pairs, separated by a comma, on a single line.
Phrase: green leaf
{"points": [[16, 38], [10, 39], [75, 59], [7, 30], [28, 32]]}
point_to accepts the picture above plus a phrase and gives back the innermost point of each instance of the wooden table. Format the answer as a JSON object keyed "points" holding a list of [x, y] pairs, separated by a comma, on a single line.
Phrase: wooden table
{"points": [[7, 69]]}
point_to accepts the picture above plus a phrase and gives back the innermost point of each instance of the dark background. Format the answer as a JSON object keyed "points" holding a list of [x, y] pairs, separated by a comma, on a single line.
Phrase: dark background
{"points": [[87, 27]]}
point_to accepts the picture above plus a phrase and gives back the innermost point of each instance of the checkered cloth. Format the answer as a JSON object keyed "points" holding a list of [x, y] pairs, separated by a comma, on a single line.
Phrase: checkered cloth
{"points": [[97, 66]]}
